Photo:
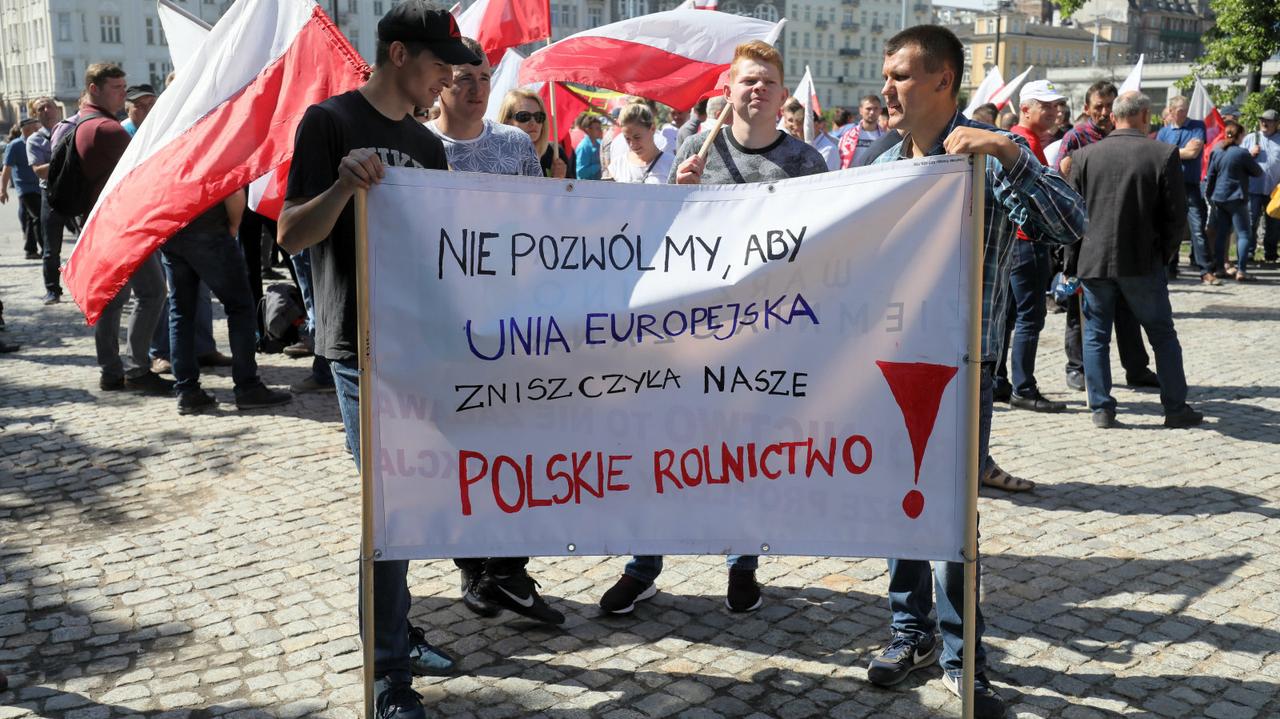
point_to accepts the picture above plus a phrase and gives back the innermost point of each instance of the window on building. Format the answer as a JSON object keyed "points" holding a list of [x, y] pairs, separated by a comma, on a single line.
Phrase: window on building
{"points": [[109, 27], [379, 8], [63, 20], [766, 12], [151, 31], [990, 52], [595, 16], [807, 17], [830, 65], [831, 41], [806, 40], [353, 7]]}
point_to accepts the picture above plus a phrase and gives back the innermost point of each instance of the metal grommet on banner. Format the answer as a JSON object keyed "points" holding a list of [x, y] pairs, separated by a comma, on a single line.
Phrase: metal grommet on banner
{"points": [[764, 549], [377, 554], [568, 187], [771, 188], [572, 547]]}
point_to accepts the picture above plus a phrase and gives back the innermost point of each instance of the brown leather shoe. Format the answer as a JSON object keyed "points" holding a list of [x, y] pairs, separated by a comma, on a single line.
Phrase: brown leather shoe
{"points": [[1208, 279]]}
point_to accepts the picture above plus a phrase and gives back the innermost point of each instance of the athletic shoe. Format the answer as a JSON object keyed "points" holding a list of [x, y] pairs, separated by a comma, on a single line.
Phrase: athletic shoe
{"points": [[52, 298], [744, 593], [110, 384], [6, 348], [426, 660], [310, 384], [1184, 417], [1145, 378], [519, 593], [196, 401], [623, 595], [1001, 391], [471, 597], [1036, 402], [987, 704], [904, 654], [1075, 380], [1104, 418], [34, 256], [259, 396], [396, 700], [150, 383]]}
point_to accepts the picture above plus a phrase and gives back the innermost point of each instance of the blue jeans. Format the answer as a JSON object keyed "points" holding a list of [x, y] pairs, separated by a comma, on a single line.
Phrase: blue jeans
{"points": [[302, 267], [1028, 278], [647, 567], [215, 259], [204, 327], [390, 579], [1270, 229], [53, 225], [1148, 297], [911, 589], [1195, 221], [1228, 216]]}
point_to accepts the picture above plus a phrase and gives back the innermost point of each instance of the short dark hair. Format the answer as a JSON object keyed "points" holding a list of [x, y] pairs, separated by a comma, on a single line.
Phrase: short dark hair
{"points": [[870, 98], [382, 50], [1101, 87], [843, 116], [939, 46], [99, 72]]}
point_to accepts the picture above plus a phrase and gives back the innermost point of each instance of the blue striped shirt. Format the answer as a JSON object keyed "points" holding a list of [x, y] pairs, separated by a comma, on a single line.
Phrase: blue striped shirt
{"points": [[1027, 195]]}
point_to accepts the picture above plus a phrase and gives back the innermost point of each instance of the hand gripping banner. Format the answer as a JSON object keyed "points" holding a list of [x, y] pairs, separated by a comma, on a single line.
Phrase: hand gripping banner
{"points": [[598, 368]]}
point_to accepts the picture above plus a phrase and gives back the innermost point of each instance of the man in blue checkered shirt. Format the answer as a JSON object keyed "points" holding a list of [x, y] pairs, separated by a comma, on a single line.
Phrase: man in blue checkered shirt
{"points": [[922, 69]]}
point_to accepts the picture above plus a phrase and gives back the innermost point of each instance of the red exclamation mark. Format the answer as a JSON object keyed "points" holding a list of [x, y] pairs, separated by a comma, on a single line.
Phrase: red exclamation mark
{"points": [[918, 388]]}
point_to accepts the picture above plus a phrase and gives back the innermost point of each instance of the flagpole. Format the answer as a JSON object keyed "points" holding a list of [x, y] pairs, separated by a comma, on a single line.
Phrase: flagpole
{"points": [[977, 211], [555, 127], [367, 554]]}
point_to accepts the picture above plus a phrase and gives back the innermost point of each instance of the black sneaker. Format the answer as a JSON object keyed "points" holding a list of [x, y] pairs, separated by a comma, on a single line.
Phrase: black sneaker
{"points": [[1185, 417], [1145, 378], [1002, 391], [259, 396], [1104, 418], [905, 654], [1075, 380], [6, 348], [425, 659], [52, 298], [1036, 403], [744, 593], [110, 384], [519, 593], [396, 700], [987, 704], [471, 597], [150, 383], [623, 595], [195, 401]]}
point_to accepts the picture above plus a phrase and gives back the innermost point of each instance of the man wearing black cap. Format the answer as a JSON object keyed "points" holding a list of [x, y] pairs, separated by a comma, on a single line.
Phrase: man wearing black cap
{"points": [[138, 101], [342, 145]]}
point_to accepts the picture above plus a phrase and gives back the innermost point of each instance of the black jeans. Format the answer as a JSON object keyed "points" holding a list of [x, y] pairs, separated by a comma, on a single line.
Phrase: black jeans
{"points": [[29, 213], [53, 225]]}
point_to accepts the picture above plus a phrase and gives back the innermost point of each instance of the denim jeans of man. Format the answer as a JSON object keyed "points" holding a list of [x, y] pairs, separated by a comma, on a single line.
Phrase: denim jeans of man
{"points": [[53, 225], [212, 257], [32, 230], [1264, 226], [647, 567], [390, 579], [1196, 211], [1028, 279], [147, 287], [1229, 216], [1133, 353], [302, 268], [1148, 297], [204, 327], [911, 586]]}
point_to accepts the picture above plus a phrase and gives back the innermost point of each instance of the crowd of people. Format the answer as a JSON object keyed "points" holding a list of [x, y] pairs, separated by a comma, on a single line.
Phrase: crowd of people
{"points": [[424, 106]]}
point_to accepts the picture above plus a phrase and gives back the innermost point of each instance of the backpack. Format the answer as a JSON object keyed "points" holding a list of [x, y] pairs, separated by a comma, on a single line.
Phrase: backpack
{"points": [[282, 315], [67, 187]]}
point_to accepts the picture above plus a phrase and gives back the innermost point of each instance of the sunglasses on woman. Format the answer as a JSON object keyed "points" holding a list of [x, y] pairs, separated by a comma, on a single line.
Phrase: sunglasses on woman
{"points": [[524, 116]]}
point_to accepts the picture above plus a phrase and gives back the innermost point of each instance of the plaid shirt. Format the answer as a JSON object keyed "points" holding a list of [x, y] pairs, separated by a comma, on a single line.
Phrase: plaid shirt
{"points": [[1028, 195], [1086, 133]]}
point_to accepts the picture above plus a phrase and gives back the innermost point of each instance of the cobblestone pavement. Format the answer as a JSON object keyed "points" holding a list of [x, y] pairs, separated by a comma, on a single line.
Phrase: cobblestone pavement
{"points": [[163, 566]]}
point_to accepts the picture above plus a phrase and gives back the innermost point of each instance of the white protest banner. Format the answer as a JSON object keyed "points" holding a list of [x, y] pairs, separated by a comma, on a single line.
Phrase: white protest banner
{"points": [[601, 368]]}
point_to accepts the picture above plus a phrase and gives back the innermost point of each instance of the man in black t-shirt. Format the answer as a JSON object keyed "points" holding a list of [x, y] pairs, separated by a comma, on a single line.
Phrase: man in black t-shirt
{"points": [[342, 145]]}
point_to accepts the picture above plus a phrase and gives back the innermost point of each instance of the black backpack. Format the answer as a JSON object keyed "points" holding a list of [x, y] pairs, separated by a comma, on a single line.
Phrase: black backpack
{"points": [[68, 188]]}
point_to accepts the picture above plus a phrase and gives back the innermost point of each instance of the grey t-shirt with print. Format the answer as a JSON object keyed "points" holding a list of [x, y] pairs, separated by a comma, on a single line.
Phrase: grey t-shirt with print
{"points": [[729, 163], [499, 150]]}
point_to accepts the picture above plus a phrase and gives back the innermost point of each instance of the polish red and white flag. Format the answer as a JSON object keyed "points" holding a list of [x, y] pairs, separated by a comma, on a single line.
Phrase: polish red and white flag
{"points": [[671, 57], [223, 123], [500, 24], [1201, 108]]}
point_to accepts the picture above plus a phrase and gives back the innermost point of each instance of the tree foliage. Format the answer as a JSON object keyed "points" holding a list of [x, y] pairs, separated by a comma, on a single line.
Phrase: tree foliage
{"points": [[1246, 34]]}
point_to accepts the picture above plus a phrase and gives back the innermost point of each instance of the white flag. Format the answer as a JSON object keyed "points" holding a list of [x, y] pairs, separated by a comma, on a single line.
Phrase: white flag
{"points": [[1133, 83], [991, 84], [185, 33], [506, 77]]}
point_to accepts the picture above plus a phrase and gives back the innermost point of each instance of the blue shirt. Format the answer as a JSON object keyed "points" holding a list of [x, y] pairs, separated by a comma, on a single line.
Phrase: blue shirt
{"points": [[1229, 171], [39, 150], [587, 157], [1028, 195], [1268, 158], [1180, 137], [15, 156], [129, 127]]}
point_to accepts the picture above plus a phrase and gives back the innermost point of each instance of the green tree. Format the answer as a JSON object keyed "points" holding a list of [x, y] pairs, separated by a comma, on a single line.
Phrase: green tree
{"points": [[1246, 34]]}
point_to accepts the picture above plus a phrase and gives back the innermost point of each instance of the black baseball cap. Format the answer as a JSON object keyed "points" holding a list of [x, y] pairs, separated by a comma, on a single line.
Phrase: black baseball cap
{"points": [[137, 92], [430, 24]]}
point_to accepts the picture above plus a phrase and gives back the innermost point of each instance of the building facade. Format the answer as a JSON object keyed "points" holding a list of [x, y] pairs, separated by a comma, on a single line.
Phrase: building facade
{"points": [[1166, 31]]}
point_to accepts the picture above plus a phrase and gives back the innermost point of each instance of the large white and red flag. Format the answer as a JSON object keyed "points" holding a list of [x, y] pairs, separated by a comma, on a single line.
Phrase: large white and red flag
{"points": [[1001, 97], [1201, 108], [500, 24], [671, 57], [221, 125], [184, 32], [990, 85], [1133, 82]]}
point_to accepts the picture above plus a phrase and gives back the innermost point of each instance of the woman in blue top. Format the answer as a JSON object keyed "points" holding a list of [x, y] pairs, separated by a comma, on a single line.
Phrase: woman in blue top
{"points": [[1226, 185]]}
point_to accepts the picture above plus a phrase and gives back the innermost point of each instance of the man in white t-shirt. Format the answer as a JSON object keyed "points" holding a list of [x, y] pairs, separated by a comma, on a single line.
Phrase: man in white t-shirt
{"points": [[857, 140], [472, 143]]}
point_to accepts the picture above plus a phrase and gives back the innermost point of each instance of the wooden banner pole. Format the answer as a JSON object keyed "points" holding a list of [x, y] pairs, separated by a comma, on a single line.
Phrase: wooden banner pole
{"points": [[715, 130], [977, 205], [366, 444]]}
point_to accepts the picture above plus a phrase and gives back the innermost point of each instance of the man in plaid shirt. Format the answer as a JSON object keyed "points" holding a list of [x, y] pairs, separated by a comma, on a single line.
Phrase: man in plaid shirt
{"points": [[922, 69]]}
